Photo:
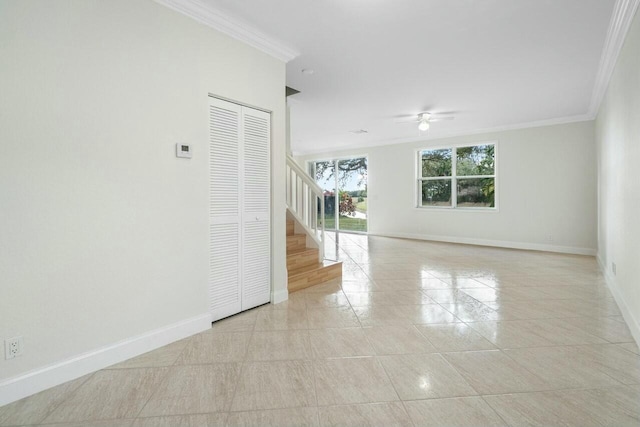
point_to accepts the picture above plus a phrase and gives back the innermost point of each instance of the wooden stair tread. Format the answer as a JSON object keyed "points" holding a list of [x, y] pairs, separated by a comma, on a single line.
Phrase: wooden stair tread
{"points": [[311, 268], [302, 251], [296, 236], [315, 274]]}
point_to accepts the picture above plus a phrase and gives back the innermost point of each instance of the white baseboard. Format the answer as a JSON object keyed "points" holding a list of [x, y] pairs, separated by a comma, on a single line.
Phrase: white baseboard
{"points": [[632, 322], [279, 296], [41, 379], [493, 243]]}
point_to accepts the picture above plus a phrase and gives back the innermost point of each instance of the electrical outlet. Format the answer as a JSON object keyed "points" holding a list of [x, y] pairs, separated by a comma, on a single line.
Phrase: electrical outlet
{"points": [[13, 347], [550, 238], [613, 268]]}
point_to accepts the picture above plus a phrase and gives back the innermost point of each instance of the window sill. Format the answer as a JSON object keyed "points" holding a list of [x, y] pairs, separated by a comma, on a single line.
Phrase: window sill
{"points": [[452, 209]]}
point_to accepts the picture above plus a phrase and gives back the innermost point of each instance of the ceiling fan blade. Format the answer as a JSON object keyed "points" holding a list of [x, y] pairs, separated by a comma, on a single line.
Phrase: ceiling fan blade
{"points": [[439, 119], [407, 120]]}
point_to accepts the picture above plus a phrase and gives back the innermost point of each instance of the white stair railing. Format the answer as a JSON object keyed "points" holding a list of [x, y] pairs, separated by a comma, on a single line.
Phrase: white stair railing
{"points": [[305, 201]]}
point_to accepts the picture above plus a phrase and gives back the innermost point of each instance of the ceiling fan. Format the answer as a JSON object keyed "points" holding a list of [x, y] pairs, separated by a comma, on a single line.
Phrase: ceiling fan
{"points": [[424, 119]]}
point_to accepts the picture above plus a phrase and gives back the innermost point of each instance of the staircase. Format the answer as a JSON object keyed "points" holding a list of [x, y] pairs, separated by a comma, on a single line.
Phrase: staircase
{"points": [[306, 265], [303, 263]]}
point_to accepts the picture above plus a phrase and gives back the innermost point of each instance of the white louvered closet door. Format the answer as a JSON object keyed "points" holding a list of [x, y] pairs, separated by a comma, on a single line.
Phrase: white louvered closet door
{"points": [[239, 237], [256, 243], [224, 208]]}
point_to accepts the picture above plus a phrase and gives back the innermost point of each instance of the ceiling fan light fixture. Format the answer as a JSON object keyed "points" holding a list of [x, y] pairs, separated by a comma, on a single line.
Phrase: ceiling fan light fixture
{"points": [[424, 125]]}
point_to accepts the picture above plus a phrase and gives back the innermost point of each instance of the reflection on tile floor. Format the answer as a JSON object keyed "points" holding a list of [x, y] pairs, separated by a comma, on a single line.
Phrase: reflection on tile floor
{"points": [[415, 333]]}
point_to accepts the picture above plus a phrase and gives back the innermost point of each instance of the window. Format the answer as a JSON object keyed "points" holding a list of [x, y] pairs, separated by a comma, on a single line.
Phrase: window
{"points": [[457, 177], [346, 208]]}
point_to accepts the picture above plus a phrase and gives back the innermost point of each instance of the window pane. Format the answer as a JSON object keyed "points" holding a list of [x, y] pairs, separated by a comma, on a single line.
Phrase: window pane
{"points": [[476, 160], [352, 194], [325, 177], [436, 192], [436, 162], [476, 193]]}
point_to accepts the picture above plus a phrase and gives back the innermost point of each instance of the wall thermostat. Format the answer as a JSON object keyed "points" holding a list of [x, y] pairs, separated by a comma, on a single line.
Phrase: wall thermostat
{"points": [[183, 150]]}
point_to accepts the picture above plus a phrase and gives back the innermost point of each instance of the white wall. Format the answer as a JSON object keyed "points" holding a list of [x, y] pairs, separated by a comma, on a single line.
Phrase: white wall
{"points": [[618, 145], [104, 232], [546, 191]]}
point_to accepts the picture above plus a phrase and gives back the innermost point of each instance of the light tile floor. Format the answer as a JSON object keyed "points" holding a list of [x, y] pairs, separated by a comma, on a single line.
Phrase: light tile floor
{"points": [[416, 333]]}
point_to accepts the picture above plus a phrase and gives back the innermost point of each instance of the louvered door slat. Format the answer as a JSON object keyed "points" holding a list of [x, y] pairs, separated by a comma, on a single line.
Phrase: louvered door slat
{"points": [[224, 155], [256, 243], [225, 232], [225, 296], [256, 278], [256, 129]]}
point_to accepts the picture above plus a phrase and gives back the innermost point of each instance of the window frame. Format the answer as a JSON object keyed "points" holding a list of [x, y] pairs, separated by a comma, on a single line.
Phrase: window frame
{"points": [[454, 177], [311, 169]]}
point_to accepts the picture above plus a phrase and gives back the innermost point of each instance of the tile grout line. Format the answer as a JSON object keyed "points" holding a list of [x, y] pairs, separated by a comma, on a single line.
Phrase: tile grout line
{"points": [[174, 364], [243, 364], [160, 384], [73, 393], [494, 410]]}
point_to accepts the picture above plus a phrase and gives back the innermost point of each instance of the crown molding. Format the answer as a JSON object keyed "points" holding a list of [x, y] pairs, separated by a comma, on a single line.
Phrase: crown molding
{"points": [[621, 19], [448, 135], [242, 31]]}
